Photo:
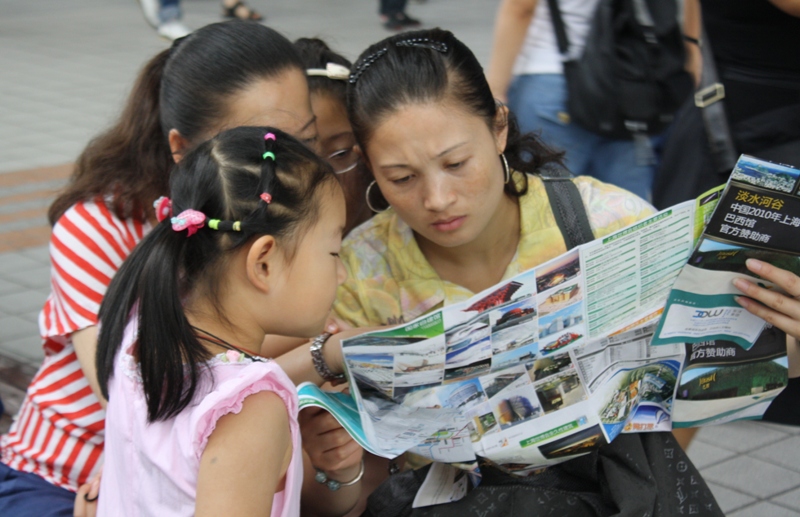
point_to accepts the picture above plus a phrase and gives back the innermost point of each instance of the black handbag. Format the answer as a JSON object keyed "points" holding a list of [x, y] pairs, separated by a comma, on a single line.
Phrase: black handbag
{"points": [[630, 79]]}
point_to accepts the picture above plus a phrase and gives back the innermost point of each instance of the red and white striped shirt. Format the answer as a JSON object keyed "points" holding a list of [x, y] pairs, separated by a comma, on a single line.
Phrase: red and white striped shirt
{"points": [[58, 432]]}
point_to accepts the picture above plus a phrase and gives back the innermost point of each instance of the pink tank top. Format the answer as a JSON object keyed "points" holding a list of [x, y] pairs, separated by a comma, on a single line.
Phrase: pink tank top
{"points": [[151, 469]]}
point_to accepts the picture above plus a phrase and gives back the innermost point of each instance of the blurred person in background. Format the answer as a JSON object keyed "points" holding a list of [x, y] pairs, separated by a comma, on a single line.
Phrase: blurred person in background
{"points": [[526, 71], [756, 50], [166, 17], [393, 15]]}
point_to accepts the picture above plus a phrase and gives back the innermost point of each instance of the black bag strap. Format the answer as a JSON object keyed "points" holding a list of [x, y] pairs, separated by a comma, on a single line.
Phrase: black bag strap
{"points": [[558, 25], [567, 205], [708, 98]]}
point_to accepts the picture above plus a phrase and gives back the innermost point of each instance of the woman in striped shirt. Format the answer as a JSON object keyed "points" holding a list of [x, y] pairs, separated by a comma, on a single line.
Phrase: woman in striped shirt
{"points": [[223, 75]]}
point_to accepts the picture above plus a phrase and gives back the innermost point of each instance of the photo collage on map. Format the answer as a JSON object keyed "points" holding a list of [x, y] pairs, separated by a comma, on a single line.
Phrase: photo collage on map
{"points": [[501, 361], [641, 395]]}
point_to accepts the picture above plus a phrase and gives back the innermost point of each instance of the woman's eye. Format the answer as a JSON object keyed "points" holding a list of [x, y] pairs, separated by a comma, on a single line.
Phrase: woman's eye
{"points": [[455, 166], [402, 180], [338, 155], [335, 254]]}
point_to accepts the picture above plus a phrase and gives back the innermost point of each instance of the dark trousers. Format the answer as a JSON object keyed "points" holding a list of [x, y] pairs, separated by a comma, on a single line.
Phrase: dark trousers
{"points": [[390, 7], [27, 495]]}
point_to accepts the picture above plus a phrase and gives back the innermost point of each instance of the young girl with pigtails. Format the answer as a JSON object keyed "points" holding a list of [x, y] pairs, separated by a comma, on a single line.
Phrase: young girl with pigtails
{"points": [[198, 421]]}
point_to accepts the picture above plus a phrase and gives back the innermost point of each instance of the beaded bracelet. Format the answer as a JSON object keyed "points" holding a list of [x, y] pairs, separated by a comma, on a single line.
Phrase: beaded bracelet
{"points": [[332, 484]]}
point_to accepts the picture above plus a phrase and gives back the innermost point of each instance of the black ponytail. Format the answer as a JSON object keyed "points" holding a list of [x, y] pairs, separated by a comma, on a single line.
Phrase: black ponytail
{"points": [[188, 88], [224, 179]]}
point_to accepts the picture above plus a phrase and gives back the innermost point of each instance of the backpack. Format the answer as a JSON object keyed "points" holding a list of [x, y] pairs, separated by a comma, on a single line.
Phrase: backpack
{"points": [[630, 80]]}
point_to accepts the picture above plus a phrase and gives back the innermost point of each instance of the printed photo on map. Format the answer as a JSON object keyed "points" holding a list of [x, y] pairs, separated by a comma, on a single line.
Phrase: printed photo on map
{"points": [[767, 175], [544, 367], [494, 383], [512, 407], [461, 395], [558, 272], [556, 299], [560, 390], [514, 325]]}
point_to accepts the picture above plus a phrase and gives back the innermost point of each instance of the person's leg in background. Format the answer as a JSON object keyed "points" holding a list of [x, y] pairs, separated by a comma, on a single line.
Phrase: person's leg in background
{"points": [[620, 163], [539, 102], [393, 15], [165, 16]]}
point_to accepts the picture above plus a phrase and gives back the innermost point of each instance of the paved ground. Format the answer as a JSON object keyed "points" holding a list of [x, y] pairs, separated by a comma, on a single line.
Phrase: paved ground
{"points": [[65, 67]]}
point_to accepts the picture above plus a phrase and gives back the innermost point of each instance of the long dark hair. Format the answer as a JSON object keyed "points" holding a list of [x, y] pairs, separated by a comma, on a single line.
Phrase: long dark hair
{"points": [[223, 178], [187, 88], [315, 53], [433, 66]]}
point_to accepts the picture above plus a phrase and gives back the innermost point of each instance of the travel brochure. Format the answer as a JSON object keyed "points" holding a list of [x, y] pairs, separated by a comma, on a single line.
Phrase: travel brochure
{"points": [[561, 359], [736, 363], [546, 365]]}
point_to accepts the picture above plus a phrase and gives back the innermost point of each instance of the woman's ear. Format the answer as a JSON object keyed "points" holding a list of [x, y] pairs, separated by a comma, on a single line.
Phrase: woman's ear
{"points": [[177, 144], [501, 128], [263, 263]]}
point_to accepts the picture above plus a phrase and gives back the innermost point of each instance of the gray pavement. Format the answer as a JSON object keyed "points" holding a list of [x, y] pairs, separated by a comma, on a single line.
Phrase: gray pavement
{"points": [[65, 68]]}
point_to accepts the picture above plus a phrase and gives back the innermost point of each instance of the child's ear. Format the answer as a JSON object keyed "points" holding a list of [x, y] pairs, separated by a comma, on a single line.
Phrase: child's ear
{"points": [[177, 144], [263, 263]]}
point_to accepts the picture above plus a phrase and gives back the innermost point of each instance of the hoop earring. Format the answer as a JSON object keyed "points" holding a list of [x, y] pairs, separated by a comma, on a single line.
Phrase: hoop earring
{"points": [[367, 195], [506, 170]]}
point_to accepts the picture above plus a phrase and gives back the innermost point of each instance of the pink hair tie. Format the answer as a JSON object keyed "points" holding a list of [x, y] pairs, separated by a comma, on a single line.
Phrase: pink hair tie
{"points": [[191, 220], [163, 207], [269, 136], [266, 197]]}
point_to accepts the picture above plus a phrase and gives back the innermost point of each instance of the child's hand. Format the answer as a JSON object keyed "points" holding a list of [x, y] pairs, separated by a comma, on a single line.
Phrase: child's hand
{"points": [[781, 310], [328, 445], [86, 498]]}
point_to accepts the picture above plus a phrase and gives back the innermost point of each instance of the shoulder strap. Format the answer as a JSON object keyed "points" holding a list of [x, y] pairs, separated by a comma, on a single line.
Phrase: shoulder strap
{"points": [[559, 27], [567, 205], [708, 98]]}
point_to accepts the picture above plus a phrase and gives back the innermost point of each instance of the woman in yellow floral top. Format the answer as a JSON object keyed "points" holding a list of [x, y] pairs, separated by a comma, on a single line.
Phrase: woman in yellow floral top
{"points": [[467, 210], [391, 280]]}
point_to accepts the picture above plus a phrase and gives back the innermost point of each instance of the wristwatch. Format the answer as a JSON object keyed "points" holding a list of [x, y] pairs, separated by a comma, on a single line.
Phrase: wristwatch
{"points": [[319, 361]]}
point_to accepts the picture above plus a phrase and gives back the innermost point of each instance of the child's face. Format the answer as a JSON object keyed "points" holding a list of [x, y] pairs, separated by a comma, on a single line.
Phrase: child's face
{"points": [[336, 140], [315, 270]]}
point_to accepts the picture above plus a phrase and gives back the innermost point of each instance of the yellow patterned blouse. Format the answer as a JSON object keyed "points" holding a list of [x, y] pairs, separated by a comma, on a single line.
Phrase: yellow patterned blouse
{"points": [[390, 281]]}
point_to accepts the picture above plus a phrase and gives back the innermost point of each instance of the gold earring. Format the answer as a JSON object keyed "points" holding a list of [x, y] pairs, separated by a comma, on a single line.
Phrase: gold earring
{"points": [[506, 170], [367, 195]]}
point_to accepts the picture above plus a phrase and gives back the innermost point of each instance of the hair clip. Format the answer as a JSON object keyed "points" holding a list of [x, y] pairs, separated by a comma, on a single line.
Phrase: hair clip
{"points": [[266, 197], [225, 226], [438, 46], [190, 220], [269, 136], [163, 207], [333, 71], [366, 63], [268, 154]]}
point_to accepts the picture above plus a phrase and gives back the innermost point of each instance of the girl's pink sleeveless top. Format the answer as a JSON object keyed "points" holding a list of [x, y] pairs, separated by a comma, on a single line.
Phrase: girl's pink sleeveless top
{"points": [[151, 469]]}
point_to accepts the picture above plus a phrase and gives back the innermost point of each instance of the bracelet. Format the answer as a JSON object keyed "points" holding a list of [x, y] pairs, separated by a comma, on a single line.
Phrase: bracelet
{"points": [[692, 40], [332, 484], [319, 361]]}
